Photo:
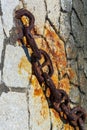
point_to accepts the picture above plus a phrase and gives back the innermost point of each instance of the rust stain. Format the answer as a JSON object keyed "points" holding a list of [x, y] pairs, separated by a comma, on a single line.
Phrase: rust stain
{"points": [[37, 92], [56, 114], [24, 65], [64, 84], [68, 127], [48, 92], [57, 47]]}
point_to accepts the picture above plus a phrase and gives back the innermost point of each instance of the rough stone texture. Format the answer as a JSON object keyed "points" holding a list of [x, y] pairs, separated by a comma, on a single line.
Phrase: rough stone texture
{"points": [[64, 26], [8, 7], [66, 5], [71, 49], [80, 59], [85, 6], [82, 81], [73, 64], [53, 7], [77, 30], [38, 107], [1, 38], [66, 18], [13, 73], [37, 7], [13, 111], [79, 9]]}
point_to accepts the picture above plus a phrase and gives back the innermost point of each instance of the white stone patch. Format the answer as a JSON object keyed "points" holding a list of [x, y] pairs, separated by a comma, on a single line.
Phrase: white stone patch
{"points": [[64, 26], [11, 75], [53, 8], [8, 7], [37, 8], [13, 111], [66, 5], [1, 38], [39, 111]]}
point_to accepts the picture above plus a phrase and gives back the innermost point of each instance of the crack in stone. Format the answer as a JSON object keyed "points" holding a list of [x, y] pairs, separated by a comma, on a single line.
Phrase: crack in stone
{"points": [[1, 13], [3, 88], [77, 16], [18, 89], [27, 99]]}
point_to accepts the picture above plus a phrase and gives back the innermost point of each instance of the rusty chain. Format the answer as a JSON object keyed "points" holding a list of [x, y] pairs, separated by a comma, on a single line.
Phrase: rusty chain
{"points": [[59, 99]]}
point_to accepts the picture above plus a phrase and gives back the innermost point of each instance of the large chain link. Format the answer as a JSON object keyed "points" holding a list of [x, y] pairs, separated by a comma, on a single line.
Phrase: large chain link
{"points": [[59, 99]]}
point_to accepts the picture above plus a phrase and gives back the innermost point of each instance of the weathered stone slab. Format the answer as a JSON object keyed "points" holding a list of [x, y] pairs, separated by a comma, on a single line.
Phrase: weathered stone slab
{"points": [[8, 7], [37, 7], [64, 26], [73, 65], [82, 81], [53, 10], [17, 69], [13, 111], [66, 5], [85, 6], [71, 49], [38, 107], [80, 59], [79, 9], [85, 67], [77, 30]]}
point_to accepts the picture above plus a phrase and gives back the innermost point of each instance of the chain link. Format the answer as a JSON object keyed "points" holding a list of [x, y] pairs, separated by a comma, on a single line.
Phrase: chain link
{"points": [[58, 97]]}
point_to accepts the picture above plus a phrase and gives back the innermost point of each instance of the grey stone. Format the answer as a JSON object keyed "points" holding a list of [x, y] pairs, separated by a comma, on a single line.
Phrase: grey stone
{"points": [[82, 81], [71, 49], [53, 10], [74, 94], [64, 26], [85, 67], [8, 7], [13, 111], [1, 39], [85, 49], [85, 6], [79, 9], [77, 30], [37, 7], [15, 72], [66, 5], [80, 59], [73, 65]]}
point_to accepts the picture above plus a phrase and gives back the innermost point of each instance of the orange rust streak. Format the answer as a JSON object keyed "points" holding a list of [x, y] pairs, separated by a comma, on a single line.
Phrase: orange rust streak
{"points": [[37, 92], [68, 127], [64, 84], [57, 50], [24, 65]]}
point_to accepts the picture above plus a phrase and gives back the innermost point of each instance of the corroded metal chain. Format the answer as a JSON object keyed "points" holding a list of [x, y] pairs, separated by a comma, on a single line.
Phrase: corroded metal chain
{"points": [[59, 99]]}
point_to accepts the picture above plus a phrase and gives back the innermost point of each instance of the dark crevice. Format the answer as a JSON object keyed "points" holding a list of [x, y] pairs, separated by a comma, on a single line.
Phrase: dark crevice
{"points": [[82, 92], [18, 89], [77, 16], [45, 5], [27, 98], [1, 13], [63, 11], [3, 88], [52, 25], [3, 56], [82, 2]]}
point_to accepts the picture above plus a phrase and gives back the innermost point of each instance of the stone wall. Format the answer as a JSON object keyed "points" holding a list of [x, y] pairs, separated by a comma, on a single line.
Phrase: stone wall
{"points": [[19, 109]]}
